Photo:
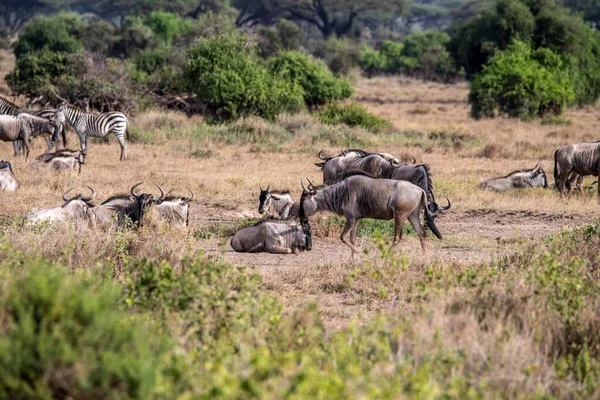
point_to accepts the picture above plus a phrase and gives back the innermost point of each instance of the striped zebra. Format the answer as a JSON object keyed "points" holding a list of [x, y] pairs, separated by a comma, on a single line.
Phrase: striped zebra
{"points": [[97, 125], [8, 108]]}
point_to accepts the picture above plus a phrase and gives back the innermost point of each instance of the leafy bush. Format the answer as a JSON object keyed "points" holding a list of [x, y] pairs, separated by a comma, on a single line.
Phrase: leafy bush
{"points": [[421, 54], [63, 337], [284, 36], [55, 34], [318, 83], [338, 54], [226, 74], [352, 114], [521, 83], [167, 27]]}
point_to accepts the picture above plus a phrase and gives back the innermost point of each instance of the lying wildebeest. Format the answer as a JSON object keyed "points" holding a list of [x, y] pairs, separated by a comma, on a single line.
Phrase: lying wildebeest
{"points": [[124, 207], [279, 237], [335, 168], [276, 204], [77, 209], [24, 127], [360, 197], [62, 160], [581, 158], [523, 179], [355, 153], [8, 181], [175, 210]]}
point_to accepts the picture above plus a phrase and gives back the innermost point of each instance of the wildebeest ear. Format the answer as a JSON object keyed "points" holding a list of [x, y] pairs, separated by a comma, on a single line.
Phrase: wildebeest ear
{"points": [[320, 164]]}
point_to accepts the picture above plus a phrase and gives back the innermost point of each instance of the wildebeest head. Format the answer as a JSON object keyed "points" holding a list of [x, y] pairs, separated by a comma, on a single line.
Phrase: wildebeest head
{"points": [[304, 221], [538, 176], [143, 201], [6, 165], [435, 209], [266, 197], [80, 196]]}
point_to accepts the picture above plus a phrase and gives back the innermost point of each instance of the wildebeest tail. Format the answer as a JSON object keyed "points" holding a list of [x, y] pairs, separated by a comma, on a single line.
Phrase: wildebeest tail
{"points": [[555, 165], [429, 218]]}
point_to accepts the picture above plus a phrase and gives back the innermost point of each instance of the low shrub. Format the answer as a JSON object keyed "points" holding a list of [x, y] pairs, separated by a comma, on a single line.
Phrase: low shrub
{"points": [[521, 83], [352, 114], [225, 73], [320, 86]]}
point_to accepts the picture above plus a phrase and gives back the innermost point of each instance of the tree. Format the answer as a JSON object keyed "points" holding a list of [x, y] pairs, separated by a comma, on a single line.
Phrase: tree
{"points": [[255, 12], [333, 16], [589, 8], [15, 13]]}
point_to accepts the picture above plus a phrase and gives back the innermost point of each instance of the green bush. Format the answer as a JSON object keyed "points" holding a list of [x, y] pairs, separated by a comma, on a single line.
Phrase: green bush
{"points": [[54, 34], [167, 27], [421, 54], [65, 337], [352, 114], [320, 86], [227, 75], [338, 54], [521, 83]]}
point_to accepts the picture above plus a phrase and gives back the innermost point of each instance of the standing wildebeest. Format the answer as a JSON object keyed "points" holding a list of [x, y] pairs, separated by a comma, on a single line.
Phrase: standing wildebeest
{"points": [[277, 204], [8, 108], [523, 179], [581, 158], [175, 210], [77, 209], [97, 125], [24, 127], [62, 160], [360, 197], [8, 181], [335, 168]]}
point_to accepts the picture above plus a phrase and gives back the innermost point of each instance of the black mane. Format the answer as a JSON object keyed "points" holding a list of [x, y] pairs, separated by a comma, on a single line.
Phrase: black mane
{"points": [[124, 196]]}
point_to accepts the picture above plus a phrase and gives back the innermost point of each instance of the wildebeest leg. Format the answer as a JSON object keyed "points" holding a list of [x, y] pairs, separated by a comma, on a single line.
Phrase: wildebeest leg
{"points": [[415, 220], [350, 222], [561, 180], [280, 250], [353, 234], [579, 185], [27, 144]]}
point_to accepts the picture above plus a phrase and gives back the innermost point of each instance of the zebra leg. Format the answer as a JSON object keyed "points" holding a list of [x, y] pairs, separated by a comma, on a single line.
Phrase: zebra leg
{"points": [[121, 139]]}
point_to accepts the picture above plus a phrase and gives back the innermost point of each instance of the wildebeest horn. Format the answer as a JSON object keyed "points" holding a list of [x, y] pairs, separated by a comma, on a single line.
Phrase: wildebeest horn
{"points": [[193, 195], [260, 186], [303, 187], [448, 206], [536, 166], [268, 187], [64, 196], [319, 155], [162, 194], [414, 160], [169, 192], [311, 184], [133, 190], [91, 195]]}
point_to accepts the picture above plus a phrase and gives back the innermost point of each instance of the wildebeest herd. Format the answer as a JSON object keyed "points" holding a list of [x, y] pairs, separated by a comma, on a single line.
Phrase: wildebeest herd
{"points": [[356, 184]]}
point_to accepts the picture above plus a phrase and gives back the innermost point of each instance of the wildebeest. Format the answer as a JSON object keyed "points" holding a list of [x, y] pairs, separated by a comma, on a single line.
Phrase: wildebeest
{"points": [[175, 210], [335, 168], [77, 209], [279, 237], [62, 160], [8, 181], [60, 119], [135, 210], [522, 179], [24, 127], [276, 204], [580, 158], [360, 197]]}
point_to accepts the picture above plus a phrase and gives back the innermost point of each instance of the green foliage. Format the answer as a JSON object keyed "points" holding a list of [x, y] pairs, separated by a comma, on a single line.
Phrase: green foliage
{"points": [[284, 36], [54, 34], [167, 27], [338, 54], [521, 83], [542, 24], [320, 86], [421, 54], [66, 337], [352, 114], [226, 74]]}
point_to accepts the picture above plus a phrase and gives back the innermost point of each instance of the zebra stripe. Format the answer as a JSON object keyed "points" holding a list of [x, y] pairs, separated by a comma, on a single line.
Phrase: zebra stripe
{"points": [[97, 125], [8, 108]]}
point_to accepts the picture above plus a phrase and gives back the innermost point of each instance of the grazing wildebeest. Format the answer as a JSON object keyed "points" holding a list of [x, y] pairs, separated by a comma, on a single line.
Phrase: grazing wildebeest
{"points": [[522, 179], [276, 204], [8, 181], [77, 209], [581, 158], [24, 127], [135, 210], [175, 210], [360, 197], [62, 160], [97, 125]]}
